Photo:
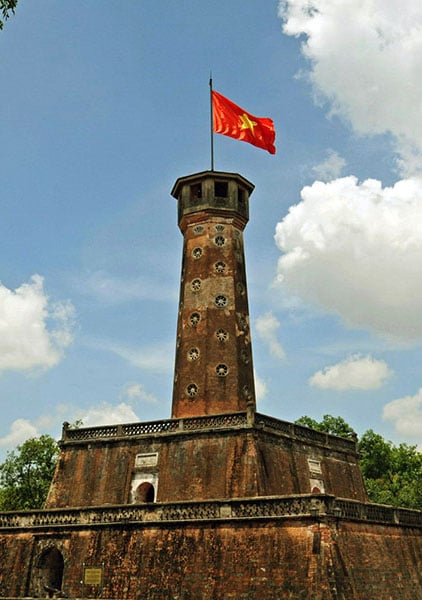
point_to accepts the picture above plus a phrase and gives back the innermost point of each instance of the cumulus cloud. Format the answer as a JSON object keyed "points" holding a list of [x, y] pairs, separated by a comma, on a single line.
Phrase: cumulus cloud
{"points": [[106, 414], [136, 391], [33, 331], [354, 373], [20, 430], [331, 167], [266, 327], [406, 414], [365, 59], [355, 249]]}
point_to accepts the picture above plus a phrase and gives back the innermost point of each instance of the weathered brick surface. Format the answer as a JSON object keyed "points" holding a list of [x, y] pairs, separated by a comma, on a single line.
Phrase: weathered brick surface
{"points": [[200, 466], [293, 559]]}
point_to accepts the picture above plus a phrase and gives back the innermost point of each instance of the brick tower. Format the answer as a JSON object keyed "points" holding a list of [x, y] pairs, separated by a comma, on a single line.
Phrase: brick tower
{"points": [[219, 501], [213, 369]]}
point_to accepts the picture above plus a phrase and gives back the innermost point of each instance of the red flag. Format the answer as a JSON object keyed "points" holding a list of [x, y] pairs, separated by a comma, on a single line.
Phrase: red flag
{"points": [[230, 119]]}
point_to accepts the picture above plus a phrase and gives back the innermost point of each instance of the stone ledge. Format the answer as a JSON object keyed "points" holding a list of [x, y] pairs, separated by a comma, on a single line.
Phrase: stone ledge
{"points": [[314, 506], [188, 425]]}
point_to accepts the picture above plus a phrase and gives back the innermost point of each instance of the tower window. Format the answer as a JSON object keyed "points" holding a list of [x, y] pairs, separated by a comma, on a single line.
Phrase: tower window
{"points": [[221, 335], [194, 319], [240, 195], [221, 370], [243, 323], [220, 301], [195, 192], [193, 354], [198, 229], [244, 356], [197, 253], [192, 390], [219, 228], [221, 189], [219, 240], [196, 285], [220, 266]]}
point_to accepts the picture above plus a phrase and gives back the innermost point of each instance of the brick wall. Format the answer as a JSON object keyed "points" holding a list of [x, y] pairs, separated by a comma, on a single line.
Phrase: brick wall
{"points": [[201, 465], [273, 559]]}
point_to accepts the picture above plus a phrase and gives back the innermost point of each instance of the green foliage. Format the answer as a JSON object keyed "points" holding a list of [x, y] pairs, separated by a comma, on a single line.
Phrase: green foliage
{"points": [[7, 6], [329, 424], [392, 474], [26, 474]]}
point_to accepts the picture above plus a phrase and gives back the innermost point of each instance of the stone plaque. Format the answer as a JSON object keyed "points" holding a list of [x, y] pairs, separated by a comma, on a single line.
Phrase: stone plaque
{"points": [[146, 460]]}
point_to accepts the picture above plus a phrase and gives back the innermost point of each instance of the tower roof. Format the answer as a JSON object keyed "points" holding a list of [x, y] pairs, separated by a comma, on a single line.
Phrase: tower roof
{"points": [[215, 175]]}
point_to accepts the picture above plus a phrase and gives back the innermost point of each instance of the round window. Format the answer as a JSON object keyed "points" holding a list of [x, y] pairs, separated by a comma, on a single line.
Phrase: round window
{"points": [[197, 253], [220, 301], [219, 240], [192, 390], [196, 285], [221, 335], [221, 370], [244, 356], [193, 354], [220, 266], [194, 319]]}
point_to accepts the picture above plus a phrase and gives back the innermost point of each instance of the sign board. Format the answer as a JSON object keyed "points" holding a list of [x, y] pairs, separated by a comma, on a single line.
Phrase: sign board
{"points": [[93, 575]]}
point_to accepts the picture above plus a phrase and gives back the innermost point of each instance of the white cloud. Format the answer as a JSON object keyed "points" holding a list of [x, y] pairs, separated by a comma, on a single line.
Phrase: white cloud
{"points": [[406, 414], [33, 331], [266, 327], [261, 389], [354, 373], [20, 430], [355, 249], [136, 391], [331, 167], [106, 414], [365, 59]]}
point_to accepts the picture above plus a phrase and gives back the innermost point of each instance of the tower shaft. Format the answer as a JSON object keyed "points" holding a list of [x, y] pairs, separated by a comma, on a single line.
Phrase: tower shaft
{"points": [[213, 367]]}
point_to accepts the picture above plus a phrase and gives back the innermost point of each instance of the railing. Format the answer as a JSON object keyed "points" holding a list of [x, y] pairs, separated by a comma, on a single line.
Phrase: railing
{"points": [[211, 422], [316, 506]]}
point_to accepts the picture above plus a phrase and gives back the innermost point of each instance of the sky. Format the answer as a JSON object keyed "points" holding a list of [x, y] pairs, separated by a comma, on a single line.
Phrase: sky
{"points": [[105, 104]]}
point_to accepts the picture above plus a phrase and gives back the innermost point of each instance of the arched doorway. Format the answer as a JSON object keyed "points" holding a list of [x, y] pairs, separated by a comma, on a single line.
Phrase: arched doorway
{"points": [[145, 492], [48, 573]]}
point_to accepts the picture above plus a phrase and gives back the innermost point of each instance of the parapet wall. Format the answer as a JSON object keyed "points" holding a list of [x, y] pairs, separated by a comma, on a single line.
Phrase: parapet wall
{"points": [[217, 457], [310, 547]]}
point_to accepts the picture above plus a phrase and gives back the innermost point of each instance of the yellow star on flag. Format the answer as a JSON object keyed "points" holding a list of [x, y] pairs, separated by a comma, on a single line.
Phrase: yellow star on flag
{"points": [[246, 123]]}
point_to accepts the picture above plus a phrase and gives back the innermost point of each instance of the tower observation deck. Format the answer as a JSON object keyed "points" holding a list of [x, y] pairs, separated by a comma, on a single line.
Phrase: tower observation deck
{"points": [[213, 366]]}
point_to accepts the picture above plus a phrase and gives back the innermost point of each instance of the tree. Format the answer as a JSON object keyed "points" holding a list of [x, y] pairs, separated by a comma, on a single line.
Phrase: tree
{"points": [[7, 6], [26, 474], [392, 474], [329, 424]]}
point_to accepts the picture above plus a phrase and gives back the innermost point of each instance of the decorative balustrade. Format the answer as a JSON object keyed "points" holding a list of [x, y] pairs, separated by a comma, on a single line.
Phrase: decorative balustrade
{"points": [[307, 506], [211, 422]]}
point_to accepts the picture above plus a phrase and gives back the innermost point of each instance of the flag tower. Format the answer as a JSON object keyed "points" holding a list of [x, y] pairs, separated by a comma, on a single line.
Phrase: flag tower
{"points": [[213, 366]]}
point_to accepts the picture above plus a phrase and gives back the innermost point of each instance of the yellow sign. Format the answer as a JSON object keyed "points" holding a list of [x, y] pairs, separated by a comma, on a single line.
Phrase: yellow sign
{"points": [[93, 575]]}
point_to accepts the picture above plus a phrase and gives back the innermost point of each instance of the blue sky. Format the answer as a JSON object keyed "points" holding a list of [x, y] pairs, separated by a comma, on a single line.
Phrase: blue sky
{"points": [[105, 105]]}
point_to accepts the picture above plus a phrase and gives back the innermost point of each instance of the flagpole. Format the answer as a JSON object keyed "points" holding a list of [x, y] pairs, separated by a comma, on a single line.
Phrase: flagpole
{"points": [[212, 126]]}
